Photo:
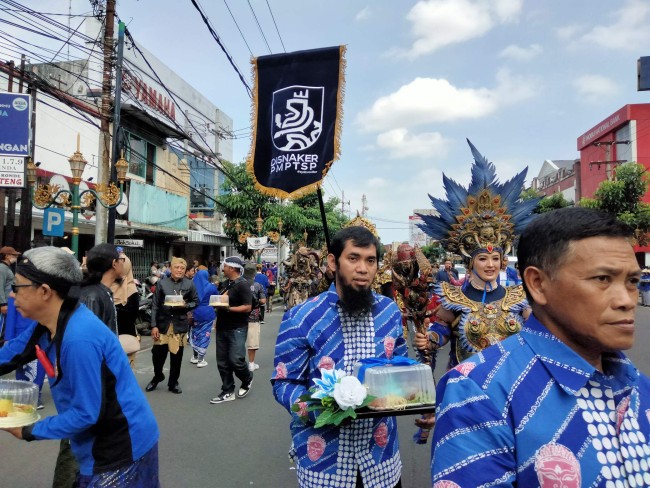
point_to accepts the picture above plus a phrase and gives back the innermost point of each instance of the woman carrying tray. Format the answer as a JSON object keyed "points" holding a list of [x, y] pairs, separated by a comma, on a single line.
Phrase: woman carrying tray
{"points": [[480, 224]]}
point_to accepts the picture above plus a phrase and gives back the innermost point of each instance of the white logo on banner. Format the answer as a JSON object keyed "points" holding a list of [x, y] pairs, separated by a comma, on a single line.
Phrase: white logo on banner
{"points": [[255, 243], [297, 117]]}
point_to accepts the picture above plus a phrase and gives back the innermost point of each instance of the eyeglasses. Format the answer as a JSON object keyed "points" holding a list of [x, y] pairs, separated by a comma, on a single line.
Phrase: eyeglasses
{"points": [[123, 259], [14, 288]]}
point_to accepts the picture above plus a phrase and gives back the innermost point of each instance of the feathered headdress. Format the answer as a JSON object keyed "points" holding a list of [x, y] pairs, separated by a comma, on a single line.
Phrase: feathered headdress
{"points": [[485, 217]]}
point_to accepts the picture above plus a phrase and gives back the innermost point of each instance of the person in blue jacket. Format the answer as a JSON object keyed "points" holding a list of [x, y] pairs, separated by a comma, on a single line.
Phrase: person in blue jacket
{"points": [[101, 409]]}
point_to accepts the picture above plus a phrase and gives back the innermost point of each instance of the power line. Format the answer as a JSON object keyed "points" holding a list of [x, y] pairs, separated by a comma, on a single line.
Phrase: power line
{"points": [[235, 21], [259, 27], [276, 26], [223, 48]]}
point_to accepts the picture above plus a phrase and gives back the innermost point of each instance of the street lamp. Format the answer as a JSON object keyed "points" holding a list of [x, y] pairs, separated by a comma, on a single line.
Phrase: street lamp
{"points": [[109, 196]]}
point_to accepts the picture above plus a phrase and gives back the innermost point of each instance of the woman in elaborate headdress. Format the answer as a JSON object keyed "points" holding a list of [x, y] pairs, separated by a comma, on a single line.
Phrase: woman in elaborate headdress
{"points": [[480, 224]]}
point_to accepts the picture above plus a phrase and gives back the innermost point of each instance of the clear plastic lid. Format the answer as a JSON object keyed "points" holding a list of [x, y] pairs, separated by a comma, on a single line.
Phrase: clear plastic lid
{"points": [[219, 300]]}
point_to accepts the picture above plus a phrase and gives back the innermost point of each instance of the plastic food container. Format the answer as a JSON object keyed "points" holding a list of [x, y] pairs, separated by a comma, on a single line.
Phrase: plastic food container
{"points": [[174, 300], [218, 301], [398, 387], [18, 400]]}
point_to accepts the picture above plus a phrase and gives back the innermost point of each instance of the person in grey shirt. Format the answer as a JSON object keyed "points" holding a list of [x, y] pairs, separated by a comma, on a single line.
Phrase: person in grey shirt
{"points": [[8, 257]]}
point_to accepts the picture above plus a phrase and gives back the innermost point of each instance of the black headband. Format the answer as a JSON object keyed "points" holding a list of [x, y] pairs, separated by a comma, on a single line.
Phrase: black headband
{"points": [[27, 269]]}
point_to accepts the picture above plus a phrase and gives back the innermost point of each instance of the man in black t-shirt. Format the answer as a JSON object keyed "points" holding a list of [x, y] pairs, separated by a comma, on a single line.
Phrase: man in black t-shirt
{"points": [[231, 332]]}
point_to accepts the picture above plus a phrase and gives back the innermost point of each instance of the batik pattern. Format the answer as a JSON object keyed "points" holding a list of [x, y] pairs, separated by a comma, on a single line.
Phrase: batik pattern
{"points": [[319, 334], [531, 412]]}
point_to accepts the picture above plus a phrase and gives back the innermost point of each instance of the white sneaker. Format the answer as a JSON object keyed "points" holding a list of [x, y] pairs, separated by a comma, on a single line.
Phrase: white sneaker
{"points": [[251, 366], [202, 364], [223, 397], [244, 389], [194, 360], [256, 366]]}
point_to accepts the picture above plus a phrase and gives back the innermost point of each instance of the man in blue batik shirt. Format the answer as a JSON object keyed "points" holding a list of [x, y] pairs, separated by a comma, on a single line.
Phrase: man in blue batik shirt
{"points": [[334, 330], [558, 404]]}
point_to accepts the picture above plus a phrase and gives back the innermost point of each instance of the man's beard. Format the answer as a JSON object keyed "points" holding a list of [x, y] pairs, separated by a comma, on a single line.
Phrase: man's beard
{"points": [[355, 301]]}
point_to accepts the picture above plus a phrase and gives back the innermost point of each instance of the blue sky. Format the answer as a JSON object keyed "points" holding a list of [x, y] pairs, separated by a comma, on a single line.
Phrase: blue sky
{"points": [[521, 79]]}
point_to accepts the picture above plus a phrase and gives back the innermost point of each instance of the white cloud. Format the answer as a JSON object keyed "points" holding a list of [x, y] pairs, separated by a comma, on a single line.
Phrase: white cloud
{"points": [[519, 53], [628, 30], [434, 100], [401, 144], [363, 14], [593, 88], [438, 23]]}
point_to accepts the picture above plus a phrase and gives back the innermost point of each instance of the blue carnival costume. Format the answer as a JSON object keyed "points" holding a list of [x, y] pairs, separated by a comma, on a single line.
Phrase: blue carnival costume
{"points": [[100, 407], [481, 219], [320, 334], [204, 314], [531, 390]]}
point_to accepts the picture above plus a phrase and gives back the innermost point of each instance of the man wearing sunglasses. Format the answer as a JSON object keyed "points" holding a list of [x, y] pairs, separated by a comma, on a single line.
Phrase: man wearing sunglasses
{"points": [[101, 409]]}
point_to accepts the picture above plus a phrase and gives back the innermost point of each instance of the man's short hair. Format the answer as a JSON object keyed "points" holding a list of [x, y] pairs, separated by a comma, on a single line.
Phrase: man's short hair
{"points": [[52, 266], [99, 259], [360, 237], [544, 243]]}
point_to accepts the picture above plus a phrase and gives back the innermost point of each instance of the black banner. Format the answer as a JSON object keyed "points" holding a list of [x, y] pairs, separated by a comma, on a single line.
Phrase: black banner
{"points": [[297, 119]]}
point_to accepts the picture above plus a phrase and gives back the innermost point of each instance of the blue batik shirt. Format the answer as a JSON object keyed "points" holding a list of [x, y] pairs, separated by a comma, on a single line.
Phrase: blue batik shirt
{"points": [[319, 334], [529, 411]]}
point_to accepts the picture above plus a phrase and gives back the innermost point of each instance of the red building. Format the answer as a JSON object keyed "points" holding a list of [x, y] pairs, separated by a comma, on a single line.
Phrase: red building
{"points": [[622, 137]]}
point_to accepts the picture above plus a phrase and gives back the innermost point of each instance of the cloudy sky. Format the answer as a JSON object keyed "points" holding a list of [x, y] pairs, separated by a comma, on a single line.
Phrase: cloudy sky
{"points": [[521, 79]]}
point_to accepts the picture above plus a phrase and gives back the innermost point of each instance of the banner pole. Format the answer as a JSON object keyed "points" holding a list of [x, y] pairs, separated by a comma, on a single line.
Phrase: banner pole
{"points": [[323, 218]]}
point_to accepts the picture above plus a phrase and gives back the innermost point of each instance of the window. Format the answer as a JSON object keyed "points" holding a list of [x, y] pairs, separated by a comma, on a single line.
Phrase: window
{"points": [[623, 151], [141, 155]]}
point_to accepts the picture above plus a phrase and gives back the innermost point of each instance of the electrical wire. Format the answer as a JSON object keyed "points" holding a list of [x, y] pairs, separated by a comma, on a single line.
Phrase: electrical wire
{"points": [[259, 27], [276, 26], [223, 48], [240, 31]]}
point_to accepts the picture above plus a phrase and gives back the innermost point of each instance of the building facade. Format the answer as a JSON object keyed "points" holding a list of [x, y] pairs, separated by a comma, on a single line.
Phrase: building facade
{"points": [[172, 136]]}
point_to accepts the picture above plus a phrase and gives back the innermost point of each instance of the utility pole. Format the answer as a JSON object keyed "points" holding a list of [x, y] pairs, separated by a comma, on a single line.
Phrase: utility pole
{"points": [[608, 156], [344, 203], [103, 170], [364, 206], [117, 106]]}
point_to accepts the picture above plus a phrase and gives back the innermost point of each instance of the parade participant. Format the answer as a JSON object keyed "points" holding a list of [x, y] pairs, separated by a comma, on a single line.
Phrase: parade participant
{"points": [[127, 303], [8, 257], [334, 330], [480, 224], [113, 432], [259, 300], [169, 325], [203, 317], [558, 404], [231, 333], [105, 267], [262, 279], [270, 291], [448, 273]]}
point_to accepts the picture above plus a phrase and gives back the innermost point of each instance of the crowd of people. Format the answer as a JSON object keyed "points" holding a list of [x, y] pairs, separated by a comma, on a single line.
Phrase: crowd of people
{"points": [[537, 392], [83, 315]]}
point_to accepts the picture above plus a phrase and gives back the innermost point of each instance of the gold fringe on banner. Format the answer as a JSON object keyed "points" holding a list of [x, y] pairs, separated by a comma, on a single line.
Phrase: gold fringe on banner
{"points": [[250, 158]]}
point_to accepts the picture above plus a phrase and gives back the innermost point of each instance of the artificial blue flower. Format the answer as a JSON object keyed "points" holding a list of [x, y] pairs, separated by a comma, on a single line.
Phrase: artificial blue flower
{"points": [[325, 385]]}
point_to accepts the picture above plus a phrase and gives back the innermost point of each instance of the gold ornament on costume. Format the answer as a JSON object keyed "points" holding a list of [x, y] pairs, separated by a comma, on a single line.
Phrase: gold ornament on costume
{"points": [[363, 222], [109, 195], [485, 216]]}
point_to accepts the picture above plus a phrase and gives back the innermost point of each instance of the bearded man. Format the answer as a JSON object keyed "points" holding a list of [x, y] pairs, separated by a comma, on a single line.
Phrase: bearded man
{"points": [[334, 330]]}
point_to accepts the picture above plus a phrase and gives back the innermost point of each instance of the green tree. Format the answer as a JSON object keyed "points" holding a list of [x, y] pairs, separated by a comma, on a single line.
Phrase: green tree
{"points": [[622, 196], [553, 202], [242, 203], [529, 194], [433, 252]]}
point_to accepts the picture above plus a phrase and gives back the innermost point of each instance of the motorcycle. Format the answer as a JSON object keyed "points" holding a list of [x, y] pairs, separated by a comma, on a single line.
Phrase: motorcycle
{"points": [[145, 296]]}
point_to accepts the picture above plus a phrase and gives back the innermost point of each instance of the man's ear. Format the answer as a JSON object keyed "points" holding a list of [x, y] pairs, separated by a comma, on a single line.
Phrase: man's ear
{"points": [[538, 283], [331, 262]]}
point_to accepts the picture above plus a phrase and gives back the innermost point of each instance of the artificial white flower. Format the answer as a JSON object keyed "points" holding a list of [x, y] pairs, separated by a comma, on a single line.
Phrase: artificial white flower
{"points": [[349, 392]]}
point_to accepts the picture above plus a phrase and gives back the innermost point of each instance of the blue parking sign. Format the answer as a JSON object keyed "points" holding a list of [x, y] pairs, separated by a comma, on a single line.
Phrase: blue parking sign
{"points": [[53, 223], [14, 124]]}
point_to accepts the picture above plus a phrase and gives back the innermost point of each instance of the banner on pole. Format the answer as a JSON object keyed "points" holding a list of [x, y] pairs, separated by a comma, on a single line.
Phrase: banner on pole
{"points": [[14, 124], [256, 243], [297, 120]]}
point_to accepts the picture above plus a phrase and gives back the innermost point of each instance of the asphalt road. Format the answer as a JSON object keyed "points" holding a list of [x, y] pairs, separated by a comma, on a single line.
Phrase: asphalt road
{"points": [[238, 444]]}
